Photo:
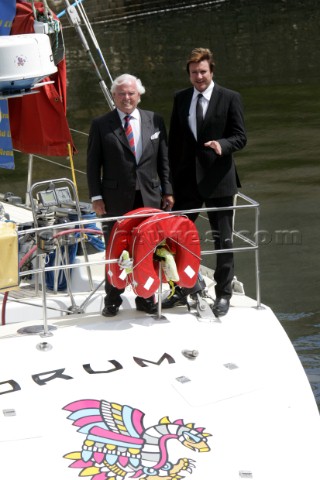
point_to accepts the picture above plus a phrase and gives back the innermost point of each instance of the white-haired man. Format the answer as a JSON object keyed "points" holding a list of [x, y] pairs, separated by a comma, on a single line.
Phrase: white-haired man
{"points": [[127, 167]]}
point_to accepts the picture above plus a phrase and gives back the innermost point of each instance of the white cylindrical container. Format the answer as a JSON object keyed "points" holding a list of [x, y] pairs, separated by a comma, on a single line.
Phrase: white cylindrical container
{"points": [[24, 61]]}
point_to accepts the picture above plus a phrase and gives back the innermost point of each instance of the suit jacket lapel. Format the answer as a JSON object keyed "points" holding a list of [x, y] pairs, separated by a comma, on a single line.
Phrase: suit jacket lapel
{"points": [[146, 130], [212, 104], [186, 107]]}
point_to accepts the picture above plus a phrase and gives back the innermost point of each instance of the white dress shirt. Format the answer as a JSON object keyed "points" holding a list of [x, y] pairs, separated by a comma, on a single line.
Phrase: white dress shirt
{"points": [[204, 102]]}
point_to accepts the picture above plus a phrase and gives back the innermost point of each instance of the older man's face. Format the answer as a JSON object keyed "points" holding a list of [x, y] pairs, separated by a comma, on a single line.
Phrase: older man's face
{"points": [[126, 97]]}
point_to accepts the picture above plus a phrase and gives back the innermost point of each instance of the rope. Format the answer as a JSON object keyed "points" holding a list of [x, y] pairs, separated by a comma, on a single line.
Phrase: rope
{"points": [[183, 246], [72, 167]]}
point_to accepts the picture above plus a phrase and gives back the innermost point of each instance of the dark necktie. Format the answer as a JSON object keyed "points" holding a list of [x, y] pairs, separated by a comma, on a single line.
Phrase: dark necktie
{"points": [[199, 114], [129, 133]]}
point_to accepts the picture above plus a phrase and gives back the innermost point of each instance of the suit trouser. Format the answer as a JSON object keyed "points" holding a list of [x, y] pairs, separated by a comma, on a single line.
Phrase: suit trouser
{"points": [[112, 293], [221, 232]]}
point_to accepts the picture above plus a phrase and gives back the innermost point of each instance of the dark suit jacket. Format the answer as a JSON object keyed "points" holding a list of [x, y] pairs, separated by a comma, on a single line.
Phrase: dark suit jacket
{"points": [[111, 166], [195, 167]]}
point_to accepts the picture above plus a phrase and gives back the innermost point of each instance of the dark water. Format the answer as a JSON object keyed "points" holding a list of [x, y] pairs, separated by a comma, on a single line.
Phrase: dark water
{"points": [[269, 51]]}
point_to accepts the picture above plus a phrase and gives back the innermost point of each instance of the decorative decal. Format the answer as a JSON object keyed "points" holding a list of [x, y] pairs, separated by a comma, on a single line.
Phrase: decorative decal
{"points": [[20, 60], [119, 447]]}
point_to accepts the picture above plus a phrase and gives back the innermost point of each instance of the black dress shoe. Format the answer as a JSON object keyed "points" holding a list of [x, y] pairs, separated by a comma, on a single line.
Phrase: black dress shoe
{"points": [[112, 302], [177, 299], [110, 311], [220, 306], [146, 304]]}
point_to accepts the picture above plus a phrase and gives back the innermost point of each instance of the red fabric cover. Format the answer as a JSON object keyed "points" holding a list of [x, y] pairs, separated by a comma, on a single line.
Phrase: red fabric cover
{"points": [[38, 122]]}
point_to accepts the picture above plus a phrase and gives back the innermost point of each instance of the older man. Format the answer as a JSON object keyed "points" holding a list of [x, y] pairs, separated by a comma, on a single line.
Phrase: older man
{"points": [[127, 167]]}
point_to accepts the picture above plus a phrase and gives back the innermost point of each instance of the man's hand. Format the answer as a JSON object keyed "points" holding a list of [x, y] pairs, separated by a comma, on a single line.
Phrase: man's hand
{"points": [[215, 146], [167, 202], [99, 207]]}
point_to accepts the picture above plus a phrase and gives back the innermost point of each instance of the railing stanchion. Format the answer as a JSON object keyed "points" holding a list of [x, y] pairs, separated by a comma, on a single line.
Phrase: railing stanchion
{"points": [[257, 264], [159, 315], [46, 332]]}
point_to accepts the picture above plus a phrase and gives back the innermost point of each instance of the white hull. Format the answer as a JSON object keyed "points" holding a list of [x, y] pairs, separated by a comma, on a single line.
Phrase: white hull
{"points": [[246, 387]]}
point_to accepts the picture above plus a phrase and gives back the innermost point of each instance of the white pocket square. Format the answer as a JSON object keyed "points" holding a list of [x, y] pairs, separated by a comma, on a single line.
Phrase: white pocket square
{"points": [[155, 135]]}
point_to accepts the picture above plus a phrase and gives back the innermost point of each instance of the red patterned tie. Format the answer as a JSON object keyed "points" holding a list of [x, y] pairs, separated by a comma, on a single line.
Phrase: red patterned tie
{"points": [[129, 133]]}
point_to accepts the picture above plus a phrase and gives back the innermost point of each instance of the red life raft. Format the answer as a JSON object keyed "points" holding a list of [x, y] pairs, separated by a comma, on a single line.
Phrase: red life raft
{"points": [[140, 236], [120, 239]]}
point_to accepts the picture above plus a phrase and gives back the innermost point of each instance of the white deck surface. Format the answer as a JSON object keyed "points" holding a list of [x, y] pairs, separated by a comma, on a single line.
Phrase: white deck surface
{"points": [[247, 388]]}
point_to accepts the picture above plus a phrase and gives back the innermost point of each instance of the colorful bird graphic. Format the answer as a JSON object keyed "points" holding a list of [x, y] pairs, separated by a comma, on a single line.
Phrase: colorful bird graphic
{"points": [[119, 447]]}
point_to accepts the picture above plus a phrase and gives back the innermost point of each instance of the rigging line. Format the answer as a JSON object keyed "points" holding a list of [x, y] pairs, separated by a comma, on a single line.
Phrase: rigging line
{"points": [[54, 163], [93, 37], [133, 16], [79, 131], [63, 12], [154, 7], [74, 20]]}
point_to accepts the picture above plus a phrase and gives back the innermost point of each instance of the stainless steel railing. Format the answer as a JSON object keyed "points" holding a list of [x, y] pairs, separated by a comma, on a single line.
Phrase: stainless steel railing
{"points": [[248, 244]]}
